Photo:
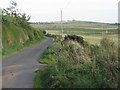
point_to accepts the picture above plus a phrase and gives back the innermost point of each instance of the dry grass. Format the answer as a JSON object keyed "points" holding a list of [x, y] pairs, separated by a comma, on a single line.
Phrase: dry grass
{"points": [[96, 39], [53, 32], [92, 39]]}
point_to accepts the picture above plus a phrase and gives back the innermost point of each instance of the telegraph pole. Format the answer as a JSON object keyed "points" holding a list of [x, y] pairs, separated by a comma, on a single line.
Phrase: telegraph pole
{"points": [[61, 24]]}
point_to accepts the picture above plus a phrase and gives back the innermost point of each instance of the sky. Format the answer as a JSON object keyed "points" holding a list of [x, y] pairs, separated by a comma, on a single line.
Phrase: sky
{"points": [[84, 10]]}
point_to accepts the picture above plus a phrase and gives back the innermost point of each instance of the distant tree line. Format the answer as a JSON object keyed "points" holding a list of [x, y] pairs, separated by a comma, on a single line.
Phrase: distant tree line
{"points": [[41, 22]]}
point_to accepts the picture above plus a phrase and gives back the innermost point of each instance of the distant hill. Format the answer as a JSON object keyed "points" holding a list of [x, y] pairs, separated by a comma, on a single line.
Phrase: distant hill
{"points": [[76, 24]]}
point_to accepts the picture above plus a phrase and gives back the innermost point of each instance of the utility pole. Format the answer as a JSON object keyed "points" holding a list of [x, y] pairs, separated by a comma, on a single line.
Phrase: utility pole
{"points": [[61, 25]]}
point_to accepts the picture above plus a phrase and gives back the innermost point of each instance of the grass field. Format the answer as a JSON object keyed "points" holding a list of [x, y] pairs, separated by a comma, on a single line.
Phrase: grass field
{"points": [[96, 39], [93, 32], [74, 24]]}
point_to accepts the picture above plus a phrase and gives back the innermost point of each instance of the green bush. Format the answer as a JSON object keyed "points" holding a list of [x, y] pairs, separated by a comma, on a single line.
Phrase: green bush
{"points": [[79, 39], [65, 65], [70, 65], [44, 32], [105, 63]]}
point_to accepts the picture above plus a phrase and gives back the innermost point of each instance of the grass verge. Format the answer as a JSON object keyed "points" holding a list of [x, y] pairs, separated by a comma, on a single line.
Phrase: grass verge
{"points": [[7, 52], [38, 82]]}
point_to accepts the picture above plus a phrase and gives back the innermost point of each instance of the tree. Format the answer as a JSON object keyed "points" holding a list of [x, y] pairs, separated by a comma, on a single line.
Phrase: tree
{"points": [[13, 9], [12, 15]]}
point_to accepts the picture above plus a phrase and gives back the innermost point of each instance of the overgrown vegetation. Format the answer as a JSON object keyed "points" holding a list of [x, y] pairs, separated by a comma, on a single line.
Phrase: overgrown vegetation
{"points": [[71, 65], [16, 30]]}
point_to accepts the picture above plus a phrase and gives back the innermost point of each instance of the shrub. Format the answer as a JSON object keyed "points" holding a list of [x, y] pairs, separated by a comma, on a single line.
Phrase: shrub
{"points": [[70, 65], [66, 65], [79, 39], [44, 32], [105, 63]]}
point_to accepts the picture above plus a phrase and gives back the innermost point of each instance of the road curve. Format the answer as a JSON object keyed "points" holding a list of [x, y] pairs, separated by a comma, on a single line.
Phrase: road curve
{"points": [[18, 70]]}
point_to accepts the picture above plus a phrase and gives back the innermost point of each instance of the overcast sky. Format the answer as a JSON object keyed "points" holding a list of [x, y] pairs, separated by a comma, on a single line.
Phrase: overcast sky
{"points": [[85, 10]]}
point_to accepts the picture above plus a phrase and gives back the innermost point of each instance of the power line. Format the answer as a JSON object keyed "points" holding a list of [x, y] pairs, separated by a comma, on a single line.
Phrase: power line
{"points": [[68, 3]]}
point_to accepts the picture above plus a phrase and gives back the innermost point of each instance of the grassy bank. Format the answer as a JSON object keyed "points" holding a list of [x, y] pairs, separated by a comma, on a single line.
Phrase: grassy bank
{"points": [[16, 38], [17, 33], [72, 65], [20, 47]]}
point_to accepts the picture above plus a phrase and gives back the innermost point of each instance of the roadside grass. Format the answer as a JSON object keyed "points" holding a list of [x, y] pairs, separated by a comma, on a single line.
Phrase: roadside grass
{"points": [[19, 47], [49, 56], [37, 79], [72, 66]]}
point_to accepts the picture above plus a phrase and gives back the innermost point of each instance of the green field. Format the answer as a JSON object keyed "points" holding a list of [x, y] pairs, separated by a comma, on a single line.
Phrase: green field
{"points": [[91, 31], [74, 24]]}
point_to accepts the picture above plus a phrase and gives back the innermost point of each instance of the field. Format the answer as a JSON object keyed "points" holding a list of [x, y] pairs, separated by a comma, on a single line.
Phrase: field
{"points": [[92, 32]]}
